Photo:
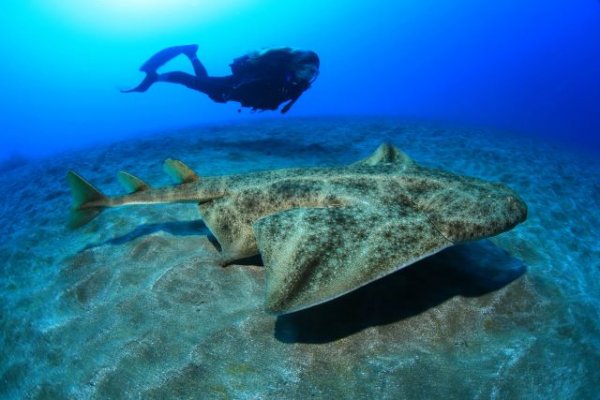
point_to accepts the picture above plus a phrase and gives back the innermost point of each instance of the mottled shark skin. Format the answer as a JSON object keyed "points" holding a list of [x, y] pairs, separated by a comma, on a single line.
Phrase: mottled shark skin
{"points": [[323, 232]]}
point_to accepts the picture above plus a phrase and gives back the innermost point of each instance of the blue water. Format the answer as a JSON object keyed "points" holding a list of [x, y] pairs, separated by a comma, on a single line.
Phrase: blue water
{"points": [[134, 304], [530, 67]]}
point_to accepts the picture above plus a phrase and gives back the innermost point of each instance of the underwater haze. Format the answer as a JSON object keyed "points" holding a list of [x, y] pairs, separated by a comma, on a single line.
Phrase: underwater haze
{"points": [[421, 224], [530, 67]]}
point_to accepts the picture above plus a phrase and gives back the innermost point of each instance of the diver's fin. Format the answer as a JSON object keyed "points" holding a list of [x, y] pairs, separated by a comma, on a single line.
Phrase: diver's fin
{"points": [[179, 171], [86, 201], [132, 183], [165, 55], [149, 80]]}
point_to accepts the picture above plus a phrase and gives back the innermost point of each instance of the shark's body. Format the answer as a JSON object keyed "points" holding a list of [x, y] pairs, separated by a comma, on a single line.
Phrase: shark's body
{"points": [[323, 232]]}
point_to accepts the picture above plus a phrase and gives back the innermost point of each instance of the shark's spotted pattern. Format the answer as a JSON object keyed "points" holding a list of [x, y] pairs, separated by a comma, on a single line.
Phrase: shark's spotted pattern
{"points": [[323, 232]]}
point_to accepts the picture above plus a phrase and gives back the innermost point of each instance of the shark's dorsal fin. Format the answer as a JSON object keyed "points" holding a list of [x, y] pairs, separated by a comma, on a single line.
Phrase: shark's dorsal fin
{"points": [[132, 183], [179, 171], [386, 154]]}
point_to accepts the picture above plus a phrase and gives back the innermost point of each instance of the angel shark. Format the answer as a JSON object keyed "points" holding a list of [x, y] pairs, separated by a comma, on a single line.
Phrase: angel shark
{"points": [[323, 232]]}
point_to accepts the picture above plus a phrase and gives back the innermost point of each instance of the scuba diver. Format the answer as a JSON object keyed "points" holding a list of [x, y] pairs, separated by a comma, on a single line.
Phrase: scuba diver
{"points": [[261, 80]]}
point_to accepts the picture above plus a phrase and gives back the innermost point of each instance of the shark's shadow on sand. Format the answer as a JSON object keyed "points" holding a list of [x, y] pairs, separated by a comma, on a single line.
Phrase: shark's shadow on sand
{"points": [[175, 228], [468, 270]]}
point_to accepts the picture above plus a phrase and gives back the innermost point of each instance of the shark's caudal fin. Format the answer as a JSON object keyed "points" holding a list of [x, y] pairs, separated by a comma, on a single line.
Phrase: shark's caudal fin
{"points": [[84, 195]]}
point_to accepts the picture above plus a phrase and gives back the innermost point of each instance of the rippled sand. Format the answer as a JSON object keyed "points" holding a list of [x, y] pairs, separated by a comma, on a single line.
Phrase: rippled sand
{"points": [[133, 305]]}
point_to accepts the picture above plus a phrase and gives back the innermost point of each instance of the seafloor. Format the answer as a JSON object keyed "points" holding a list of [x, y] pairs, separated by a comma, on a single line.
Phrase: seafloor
{"points": [[133, 305]]}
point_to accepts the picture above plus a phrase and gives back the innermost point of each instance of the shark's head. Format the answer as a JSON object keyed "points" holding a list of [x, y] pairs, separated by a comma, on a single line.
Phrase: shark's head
{"points": [[473, 209]]}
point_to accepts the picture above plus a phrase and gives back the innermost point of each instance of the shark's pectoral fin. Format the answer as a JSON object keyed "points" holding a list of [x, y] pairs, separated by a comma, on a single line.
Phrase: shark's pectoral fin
{"points": [[232, 230], [312, 255]]}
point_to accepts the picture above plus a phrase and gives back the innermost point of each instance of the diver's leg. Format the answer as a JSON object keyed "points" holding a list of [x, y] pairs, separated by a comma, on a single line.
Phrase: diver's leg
{"points": [[165, 55], [206, 85], [150, 78], [198, 67], [181, 78], [215, 87], [159, 59], [190, 52]]}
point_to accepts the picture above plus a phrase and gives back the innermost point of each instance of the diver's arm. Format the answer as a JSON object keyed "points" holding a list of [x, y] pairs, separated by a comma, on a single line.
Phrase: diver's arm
{"points": [[298, 90], [289, 105]]}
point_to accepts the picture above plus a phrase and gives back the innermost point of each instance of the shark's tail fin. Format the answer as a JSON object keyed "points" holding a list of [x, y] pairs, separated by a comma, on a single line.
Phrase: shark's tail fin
{"points": [[87, 201]]}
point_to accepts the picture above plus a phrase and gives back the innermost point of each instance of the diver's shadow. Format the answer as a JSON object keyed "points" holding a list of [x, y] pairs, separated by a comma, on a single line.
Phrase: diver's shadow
{"points": [[468, 270]]}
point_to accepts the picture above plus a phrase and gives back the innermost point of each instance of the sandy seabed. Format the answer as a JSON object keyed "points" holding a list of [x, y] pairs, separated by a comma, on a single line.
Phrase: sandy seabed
{"points": [[134, 305]]}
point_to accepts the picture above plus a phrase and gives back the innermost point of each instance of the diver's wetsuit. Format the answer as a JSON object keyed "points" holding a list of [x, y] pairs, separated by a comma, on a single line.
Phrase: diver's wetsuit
{"points": [[266, 91]]}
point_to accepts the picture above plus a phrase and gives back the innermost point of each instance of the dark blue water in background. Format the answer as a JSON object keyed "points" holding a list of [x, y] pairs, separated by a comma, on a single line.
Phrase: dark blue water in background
{"points": [[529, 67]]}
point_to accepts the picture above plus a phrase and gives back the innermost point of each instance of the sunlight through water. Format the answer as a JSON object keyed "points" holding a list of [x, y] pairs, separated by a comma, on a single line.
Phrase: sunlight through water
{"points": [[142, 16]]}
